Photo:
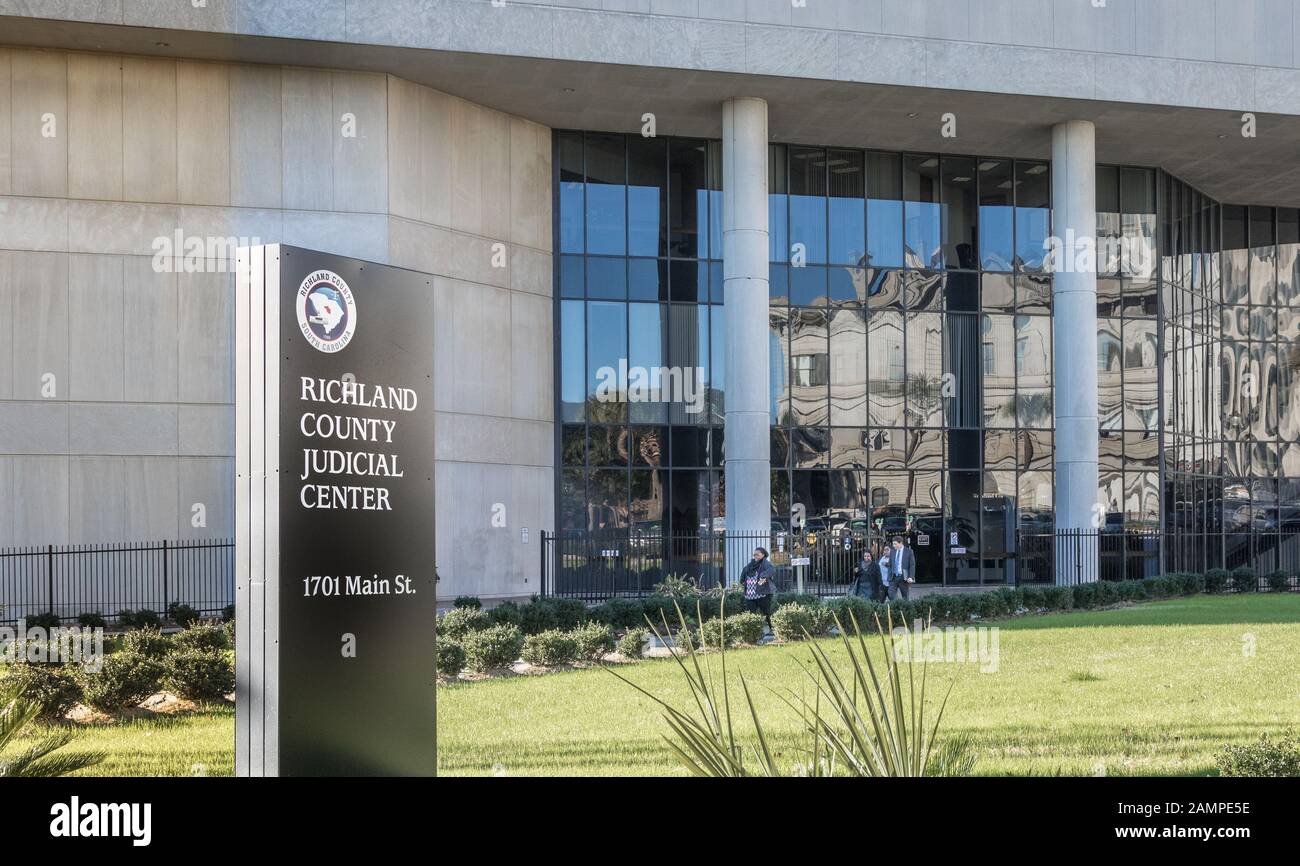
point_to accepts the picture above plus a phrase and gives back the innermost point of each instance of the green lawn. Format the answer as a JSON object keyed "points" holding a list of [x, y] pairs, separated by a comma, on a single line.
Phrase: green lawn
{"points": [[1147, 690], [1150, 689]]}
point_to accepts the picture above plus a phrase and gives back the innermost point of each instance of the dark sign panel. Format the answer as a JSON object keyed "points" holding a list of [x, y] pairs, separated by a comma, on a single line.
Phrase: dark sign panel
{"points": [[354, 669]]}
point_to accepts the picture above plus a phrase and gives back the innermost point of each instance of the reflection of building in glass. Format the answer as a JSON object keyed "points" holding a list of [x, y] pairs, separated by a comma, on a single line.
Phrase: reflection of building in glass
{"points": [[911, 348]]}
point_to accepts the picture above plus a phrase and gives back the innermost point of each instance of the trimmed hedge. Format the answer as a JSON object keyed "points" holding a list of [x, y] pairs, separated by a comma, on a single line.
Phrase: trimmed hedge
{"points": [[742, 628], [494, 647], [593, 641], [148, 642], [458, 622], [548, 648], [791, 621], [199, 674], [125, 679], [201, 637], [450, 657], [1278, 581], [50, 686], [632, 644]]}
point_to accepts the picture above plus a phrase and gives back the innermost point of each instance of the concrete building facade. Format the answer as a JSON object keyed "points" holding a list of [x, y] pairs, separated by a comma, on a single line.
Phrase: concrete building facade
{"points": [[139, 138]]}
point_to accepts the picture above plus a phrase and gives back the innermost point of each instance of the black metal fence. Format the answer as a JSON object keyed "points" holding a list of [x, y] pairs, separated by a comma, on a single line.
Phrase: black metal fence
{"points": [[600, 565], [107, 578]]}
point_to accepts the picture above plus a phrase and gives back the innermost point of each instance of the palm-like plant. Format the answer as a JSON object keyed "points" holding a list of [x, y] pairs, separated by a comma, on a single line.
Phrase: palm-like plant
{"points": [[859, 722], [18, 711]]}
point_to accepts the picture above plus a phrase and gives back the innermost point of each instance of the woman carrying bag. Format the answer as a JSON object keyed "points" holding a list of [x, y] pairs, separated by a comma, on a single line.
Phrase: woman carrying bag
{"points": [[759, 582]]}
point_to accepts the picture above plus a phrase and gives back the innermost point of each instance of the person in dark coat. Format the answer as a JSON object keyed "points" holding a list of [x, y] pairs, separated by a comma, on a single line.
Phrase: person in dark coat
{"points": [[759, 582], [866, 581]]}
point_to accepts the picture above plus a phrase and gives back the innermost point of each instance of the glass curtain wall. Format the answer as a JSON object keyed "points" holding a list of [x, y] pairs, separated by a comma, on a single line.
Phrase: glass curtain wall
{"points": [[911, 351]]}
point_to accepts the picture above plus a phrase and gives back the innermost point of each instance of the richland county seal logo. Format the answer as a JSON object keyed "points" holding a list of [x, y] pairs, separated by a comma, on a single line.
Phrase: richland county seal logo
{"points": [[327, 314]]}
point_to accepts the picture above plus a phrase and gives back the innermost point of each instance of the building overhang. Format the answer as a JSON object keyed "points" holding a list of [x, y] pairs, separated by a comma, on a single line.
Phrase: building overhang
{"points": [[1203, 145]]}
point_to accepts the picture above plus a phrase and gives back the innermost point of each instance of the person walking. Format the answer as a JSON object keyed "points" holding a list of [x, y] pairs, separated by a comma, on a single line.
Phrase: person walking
{"points": [[899, 568], [867, 581], [759, 582]]}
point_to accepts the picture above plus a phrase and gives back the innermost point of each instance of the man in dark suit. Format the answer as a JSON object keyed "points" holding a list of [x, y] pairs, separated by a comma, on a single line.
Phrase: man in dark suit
{"points": [[900, 566]]}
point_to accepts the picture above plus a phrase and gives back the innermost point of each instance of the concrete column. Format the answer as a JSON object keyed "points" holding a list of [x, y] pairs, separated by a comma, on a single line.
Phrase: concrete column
{"points": [[1074, 332], [744, 270]]}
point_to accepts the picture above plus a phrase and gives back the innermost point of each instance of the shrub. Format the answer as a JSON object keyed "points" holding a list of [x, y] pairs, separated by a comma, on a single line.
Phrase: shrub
{"points": [[125, 679], [807, 599], [449, 657], [182, 614], [229, 628], [1278, 581], [619, 613], [460, 621], [50, 686], [552, 647], [48, 621], [142, 618], [468, 601], [148, 642], [201, 637], [853, 607], [657, 608], [1216, 580], [1032, 597], [92, 620], [1244, 579], [569, 612], [1058, 597], [632, 644], [793, 620], [1087, 595], [743, 628], [228, 613], [1264, 758], [1012, 598], [1193, 584], [538, 616], [506, 613], [716, 603], [990, 605], [199, 674], [494, 647], [594, 640]]}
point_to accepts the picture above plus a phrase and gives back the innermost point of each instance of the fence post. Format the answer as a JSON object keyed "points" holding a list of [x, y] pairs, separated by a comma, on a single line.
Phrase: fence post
{"points": [[164, 570], [541, 573], [49, 558]]}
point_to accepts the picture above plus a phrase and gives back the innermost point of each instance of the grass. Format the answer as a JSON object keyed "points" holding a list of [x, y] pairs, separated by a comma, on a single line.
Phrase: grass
{"points": [[1154, 689]]}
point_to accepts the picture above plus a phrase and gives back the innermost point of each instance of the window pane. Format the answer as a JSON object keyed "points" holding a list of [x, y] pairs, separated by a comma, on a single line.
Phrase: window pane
{"points": [[999, 364], [1033, 213], [884, 211], [1110, 367], [925, 370], [688, 191], [606, 195], [607, 493], [886, 368], [809, 368], [606, 347], [648, 395], [778, 204], [960, 211], [572, 205], [922, 214], [962, 361], [573, 370], [808, 204], [848, 368], [647, 197], [1034, 371], [996, 214], [847, 185], [1141, 355]]}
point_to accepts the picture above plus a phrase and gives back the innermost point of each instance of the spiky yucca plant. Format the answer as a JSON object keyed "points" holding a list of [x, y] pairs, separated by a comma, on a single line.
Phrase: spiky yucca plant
{"points": [[16, 713], [857, 722]]}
